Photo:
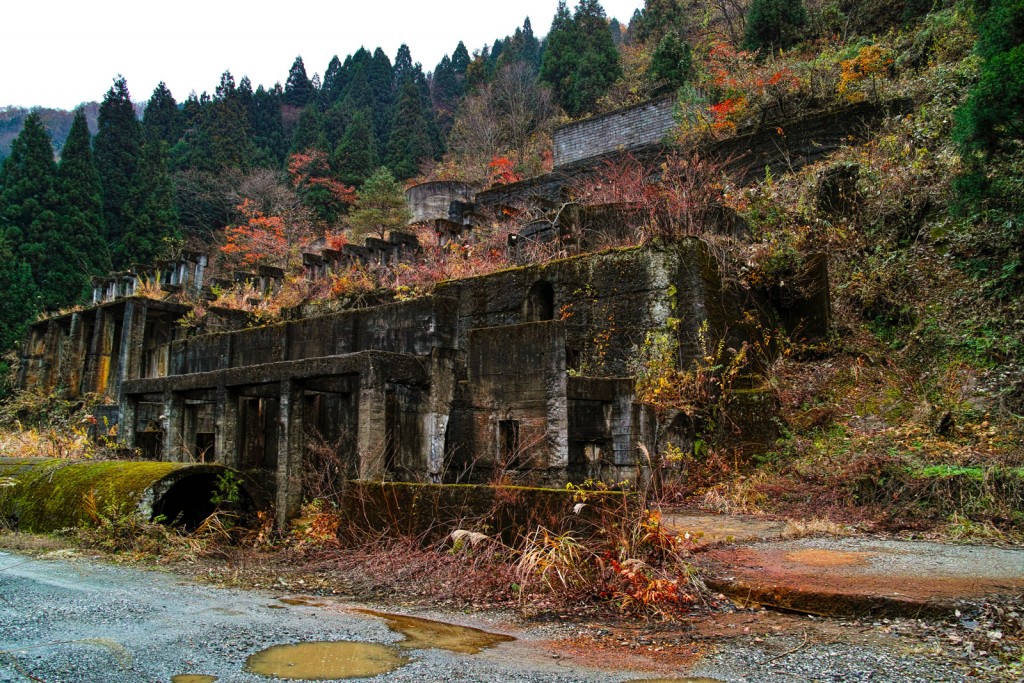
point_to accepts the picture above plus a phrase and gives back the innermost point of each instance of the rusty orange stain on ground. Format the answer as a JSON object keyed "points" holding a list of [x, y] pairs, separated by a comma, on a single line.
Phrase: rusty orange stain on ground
{"points": [[828, 558]]}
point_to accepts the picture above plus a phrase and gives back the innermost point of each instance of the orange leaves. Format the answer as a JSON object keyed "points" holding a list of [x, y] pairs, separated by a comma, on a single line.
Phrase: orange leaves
{"points": [[261, 239], [311, 170], [871, 62], [724, 115], [501, 171]]}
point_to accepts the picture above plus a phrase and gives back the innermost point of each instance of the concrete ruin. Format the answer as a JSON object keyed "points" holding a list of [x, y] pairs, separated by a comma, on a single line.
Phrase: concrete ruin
{"points": [[524, 376]]}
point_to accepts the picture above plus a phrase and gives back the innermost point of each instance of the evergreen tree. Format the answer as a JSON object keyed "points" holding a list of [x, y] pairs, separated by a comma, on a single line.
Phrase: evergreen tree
{"points": [[162, 120], [309, 132], [403, 67], [380, 78], [774, 24], [356, 155], [380, 207], [993, 116], [671, 64], [298, 89], [19, 301], [116, 150], [270, 145], [410, 141], [580, 61], [154, 219], [334, 122], [226, 128], [334, 82], [28, 198], [445, 92], [460, 60], [79, 251]]}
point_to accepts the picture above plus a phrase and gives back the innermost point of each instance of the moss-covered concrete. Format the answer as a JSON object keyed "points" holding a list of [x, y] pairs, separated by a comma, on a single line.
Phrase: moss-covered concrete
{"points": [[48, 494]]}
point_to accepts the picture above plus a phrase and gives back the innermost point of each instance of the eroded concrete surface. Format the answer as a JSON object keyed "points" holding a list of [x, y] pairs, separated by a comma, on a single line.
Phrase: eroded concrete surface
{"points": [[708, 529], [860, 576]]}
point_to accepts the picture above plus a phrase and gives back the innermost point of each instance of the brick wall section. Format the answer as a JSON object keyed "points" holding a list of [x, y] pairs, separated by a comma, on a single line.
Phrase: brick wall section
{"points": [[623, 129]]}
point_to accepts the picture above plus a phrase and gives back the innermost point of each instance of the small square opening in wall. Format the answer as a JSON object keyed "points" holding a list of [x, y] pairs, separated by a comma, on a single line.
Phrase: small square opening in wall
{"points": [[509, 449]]}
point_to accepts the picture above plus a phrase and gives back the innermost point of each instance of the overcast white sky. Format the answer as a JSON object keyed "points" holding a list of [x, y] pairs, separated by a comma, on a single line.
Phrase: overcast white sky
{"points": [[59, 53]]}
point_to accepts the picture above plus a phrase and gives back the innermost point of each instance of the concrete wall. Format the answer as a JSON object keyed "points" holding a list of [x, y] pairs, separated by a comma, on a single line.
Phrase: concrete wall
{"points": [[430, 201], [624, 129]]}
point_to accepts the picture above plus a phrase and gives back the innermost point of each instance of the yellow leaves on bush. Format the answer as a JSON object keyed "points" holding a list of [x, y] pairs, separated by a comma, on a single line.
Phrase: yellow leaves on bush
{"points": [[871, 62]]}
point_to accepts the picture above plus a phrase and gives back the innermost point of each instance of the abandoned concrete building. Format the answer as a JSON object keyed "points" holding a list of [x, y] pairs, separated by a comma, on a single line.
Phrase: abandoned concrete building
{"points": [[526, 373]]}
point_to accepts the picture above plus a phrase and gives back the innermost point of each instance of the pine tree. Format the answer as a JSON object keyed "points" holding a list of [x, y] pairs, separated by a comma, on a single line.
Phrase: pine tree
{"points": [[774, 24], [460, 59], [403, 67], [298, 89], [356, 155], [309, 131], [334, 82], [559, 63], [80, 250], [445, 92], [162, 120], [380, 207], [226, 127], [116, 151], [597, 59]]}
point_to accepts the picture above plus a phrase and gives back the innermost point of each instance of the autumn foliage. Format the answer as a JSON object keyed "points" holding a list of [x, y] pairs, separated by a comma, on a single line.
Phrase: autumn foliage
{"points": [[260, 239]]}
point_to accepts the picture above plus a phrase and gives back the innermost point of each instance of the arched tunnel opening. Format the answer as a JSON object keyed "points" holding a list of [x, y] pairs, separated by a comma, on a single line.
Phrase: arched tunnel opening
{"points": [[195, 496]]}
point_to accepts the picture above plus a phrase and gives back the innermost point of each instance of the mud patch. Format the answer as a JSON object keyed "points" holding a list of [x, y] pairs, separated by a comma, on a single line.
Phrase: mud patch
{"points": [[325, 661], [193, 678], [425, 634], [816, 557], [304, 602], [675, 680]]}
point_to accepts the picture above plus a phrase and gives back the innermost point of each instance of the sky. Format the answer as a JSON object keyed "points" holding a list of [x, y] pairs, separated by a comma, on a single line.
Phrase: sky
{"points": [[60, 53]]}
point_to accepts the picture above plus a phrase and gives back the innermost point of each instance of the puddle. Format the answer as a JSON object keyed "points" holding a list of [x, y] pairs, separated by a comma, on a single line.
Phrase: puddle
{"points": [[192, 678], [675, 680], [305, 602], [276, 607], [422, 634], [326, 661]]}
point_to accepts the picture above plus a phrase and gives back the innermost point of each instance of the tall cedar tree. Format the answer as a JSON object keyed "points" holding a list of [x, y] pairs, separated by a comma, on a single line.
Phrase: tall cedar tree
{"points": [[154, 219], [356, 155], [81, 211], [28, 199], [445, 93], [380, 206], [380, 78], [298, 89], [18, 297], [269, 142], [774, 24], [580, 60], [162, 119], [410, 142], [225, 128], [334, 82], [117, 149]]}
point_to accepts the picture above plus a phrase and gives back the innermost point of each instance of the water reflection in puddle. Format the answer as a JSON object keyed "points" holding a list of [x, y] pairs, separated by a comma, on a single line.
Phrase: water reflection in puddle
{"points": [[192, 678], [422, 634], [326, 661]]}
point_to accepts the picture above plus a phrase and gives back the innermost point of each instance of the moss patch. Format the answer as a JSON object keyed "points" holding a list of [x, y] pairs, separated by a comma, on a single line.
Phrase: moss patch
{"points": [[50, 494]]}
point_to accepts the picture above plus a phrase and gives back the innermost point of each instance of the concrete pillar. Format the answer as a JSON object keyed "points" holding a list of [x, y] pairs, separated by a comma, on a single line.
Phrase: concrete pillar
{"points": [[173, 425], [225, 418], [74, 358], [291, 444], [133, 329], [371, 429], [126, 421], [94, 362]]}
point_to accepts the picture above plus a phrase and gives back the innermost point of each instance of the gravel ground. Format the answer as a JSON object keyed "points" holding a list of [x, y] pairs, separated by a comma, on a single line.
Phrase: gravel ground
{"points": [[73, 620]]}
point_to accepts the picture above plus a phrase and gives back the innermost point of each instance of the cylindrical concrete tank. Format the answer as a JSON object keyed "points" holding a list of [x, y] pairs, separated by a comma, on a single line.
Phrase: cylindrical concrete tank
{"points": [[38, 494], [430, 201]]}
